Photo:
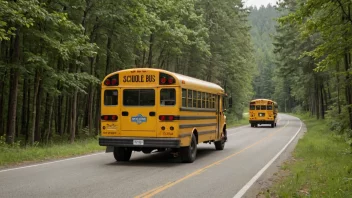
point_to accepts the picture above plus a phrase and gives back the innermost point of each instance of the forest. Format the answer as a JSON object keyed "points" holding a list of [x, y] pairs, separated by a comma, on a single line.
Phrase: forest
{"points": [[303, 56], [55, 53]]}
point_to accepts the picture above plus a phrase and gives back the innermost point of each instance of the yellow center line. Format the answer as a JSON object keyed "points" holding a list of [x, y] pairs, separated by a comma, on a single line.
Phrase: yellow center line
{"points": [[161, 188]]}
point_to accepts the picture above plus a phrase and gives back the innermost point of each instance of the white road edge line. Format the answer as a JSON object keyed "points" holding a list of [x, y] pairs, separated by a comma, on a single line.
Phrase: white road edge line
{"points": [[46, 163], [251, 182]]}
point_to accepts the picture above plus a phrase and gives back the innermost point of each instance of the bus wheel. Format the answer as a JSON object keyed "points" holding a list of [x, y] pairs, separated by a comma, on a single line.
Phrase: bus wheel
{"points": [[275, 124], [122, 154], [272, 125], [219, 145], [252, 125], [189, 153]]}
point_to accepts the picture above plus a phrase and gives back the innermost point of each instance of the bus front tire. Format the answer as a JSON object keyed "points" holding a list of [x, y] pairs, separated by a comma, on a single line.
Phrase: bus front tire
{"points": [[189, 153], [122, 154]]}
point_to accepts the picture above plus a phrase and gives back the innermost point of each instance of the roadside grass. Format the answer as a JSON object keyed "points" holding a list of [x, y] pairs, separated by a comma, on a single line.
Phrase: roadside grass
{"points": [[233, 122], [321, 165], [16, 155]]}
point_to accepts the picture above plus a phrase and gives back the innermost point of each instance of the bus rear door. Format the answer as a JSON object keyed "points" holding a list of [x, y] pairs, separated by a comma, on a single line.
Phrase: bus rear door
{"points": [[138, 112]]}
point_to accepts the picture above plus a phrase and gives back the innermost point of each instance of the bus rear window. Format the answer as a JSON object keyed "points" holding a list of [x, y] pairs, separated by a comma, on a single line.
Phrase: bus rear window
{"points": [[251, 107], [262, 107], [110, 97], [167, 97], [139, 97], [270, 107]]}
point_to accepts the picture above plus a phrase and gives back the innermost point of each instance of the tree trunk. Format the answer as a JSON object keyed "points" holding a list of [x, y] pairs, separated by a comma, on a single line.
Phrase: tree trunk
{"points": [[338, 89], [150, 56], [28, 131], [97, 111], [47, 121], [2, 92], [348, 87], [37, 135], [34, 113], [108, 55], [74, 117], [24, 125], [14, 76]]}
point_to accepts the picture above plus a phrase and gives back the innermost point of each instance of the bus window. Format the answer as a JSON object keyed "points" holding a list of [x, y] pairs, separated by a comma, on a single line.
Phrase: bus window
{"points": [[110, 97], [206, 100], [270, 107], [138, 97], [203, 100], [199, 99], [262, 107], [195, 99], [167, 97], [257, 107], [184, 97], [251, 107], [190, 96]]}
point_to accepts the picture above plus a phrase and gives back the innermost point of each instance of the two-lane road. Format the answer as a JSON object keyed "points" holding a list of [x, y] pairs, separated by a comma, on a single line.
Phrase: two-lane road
{"points": [[228, 173]]}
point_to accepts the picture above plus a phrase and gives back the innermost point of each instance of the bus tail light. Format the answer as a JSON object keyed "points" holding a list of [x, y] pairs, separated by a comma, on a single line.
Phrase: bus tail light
{"points": [[109, 117], [112, 81], [167, 117], [166, 79]]}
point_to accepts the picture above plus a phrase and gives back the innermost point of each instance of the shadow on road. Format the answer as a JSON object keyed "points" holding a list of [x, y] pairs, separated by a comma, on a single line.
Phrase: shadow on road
{"points": [[162, 159]]}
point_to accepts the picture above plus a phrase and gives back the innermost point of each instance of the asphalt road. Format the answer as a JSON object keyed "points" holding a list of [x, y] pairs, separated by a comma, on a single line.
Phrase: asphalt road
{"points": [[228, 173]]}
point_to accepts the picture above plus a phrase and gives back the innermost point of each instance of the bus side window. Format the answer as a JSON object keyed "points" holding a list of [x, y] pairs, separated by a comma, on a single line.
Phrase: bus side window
{"points": [[195, 99], [184, 97], [190, 96]]}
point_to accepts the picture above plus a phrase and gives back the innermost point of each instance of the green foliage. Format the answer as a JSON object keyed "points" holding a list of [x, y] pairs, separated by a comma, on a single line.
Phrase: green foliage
{"points": [[263, 24], [320, 166]]}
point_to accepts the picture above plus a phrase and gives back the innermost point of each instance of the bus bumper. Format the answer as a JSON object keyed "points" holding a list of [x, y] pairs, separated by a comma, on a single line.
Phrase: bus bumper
{"points": [[261, 121], [141, 142]]}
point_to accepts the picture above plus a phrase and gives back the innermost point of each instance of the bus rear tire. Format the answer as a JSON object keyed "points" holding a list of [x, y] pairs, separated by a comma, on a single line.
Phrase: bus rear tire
{"points": [[272, 125], [219, 145], [122, 154], [189, 153]]}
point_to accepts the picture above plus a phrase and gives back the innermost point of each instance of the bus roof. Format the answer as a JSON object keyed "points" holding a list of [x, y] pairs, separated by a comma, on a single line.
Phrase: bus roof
{"points": [[262, 99], [183, 80]]}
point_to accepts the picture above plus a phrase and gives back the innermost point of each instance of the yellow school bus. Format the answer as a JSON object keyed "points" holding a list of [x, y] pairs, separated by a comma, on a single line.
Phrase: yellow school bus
{"points": [[263, 111], [146, 109]]}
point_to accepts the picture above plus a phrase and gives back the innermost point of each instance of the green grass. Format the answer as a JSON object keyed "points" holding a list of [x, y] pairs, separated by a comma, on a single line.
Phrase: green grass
{"points": [[233, 122], [321, 165], [15, 155]]}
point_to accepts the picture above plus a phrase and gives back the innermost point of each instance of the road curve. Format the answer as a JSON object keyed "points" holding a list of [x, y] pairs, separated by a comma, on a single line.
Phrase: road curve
{"points": [[228, 173]]}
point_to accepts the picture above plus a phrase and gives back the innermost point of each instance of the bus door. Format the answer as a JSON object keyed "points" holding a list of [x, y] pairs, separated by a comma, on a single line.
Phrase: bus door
{"points": [[219, 115], [138, 112]]}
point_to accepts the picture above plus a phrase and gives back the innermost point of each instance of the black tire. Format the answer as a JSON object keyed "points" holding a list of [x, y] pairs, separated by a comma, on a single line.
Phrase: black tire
{"points": [[275, 124], [189, 153], [219, 145], [252, 125], [122, 154], [272, 125]]}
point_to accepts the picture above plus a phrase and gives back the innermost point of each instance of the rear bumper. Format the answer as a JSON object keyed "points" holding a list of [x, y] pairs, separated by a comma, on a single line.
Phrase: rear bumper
{"points": [[148, 142], [261, 121]]}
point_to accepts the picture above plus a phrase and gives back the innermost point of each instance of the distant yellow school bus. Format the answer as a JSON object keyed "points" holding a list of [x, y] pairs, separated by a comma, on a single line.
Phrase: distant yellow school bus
{"points": [[147, 109], [263, 111]]}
